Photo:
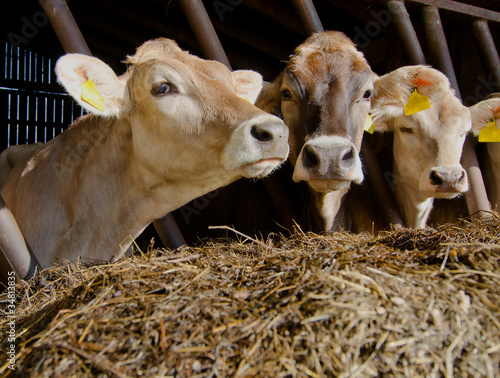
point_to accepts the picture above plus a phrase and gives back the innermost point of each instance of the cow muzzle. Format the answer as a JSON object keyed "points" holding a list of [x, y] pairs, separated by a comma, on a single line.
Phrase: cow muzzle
{"points": [[328, 163], [257, 147], [444, 182]]}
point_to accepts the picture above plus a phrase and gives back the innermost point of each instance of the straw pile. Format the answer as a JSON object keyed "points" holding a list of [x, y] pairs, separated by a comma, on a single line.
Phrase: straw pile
{"points": [[403, 303]]}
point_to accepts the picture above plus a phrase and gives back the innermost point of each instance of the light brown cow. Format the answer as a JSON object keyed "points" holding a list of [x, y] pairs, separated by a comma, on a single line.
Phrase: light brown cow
{"points": [[427, 144], [323, 95], [172, 128], [486, 114]]}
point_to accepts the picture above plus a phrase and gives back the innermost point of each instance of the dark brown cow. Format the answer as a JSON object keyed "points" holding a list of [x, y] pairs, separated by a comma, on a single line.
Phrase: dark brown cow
{"points": [[323, 95]]}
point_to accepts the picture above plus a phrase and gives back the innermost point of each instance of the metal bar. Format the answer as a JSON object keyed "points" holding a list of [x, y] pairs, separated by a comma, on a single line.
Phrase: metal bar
{"points": [[407, 34], [487, 49], [438, 46], [476, 197], [308, 16], [15, 254], [65, 27], [168, 231], [466, 9], [379, 186], [204, 31]]}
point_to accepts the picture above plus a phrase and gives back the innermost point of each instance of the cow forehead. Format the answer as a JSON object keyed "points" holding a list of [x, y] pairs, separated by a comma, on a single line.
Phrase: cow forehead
{"points": [[325, 66], [327, 55], [165, 52], [445, 117], [318, 74]]}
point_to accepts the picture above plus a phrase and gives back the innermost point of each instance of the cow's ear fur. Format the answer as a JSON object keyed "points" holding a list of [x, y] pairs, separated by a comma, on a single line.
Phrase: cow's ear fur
{"points": [[380, 122], [269, 98], [75, 69], [483, 111], [430, 82], [248, 84], [392, 90]]}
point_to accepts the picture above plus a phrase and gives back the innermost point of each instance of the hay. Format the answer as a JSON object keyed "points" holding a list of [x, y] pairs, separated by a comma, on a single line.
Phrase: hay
{"points": [[403, 303]]}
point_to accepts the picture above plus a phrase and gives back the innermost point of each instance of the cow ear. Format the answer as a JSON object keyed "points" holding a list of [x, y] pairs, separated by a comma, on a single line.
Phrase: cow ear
{"points": [[92, 83], [483, 112], [430, 82], [248, 84], [379, 121]]}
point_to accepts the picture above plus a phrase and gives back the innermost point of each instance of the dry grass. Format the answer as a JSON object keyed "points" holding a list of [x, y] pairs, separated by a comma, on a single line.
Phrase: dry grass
{"points": [[404, 303]]}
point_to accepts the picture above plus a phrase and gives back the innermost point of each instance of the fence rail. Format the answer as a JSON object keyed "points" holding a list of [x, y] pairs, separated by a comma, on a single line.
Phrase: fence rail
{"points": [[33, 106]]}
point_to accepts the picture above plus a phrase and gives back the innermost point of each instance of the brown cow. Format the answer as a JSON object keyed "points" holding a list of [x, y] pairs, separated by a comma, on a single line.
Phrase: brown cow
{"points": [[170, 129], [323, 95]]}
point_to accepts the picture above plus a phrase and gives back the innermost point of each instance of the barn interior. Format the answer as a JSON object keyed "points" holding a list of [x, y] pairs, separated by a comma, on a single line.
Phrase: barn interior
{"points": [[253, 34], [409, 302]]}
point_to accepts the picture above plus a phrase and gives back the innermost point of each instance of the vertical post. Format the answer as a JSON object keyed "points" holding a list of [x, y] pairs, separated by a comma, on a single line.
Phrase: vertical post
{"points": [[204, 31], [407, 34], [438, 45], [476, 196], [312, 23], [65, 26], [487, 49], [308, 16]]}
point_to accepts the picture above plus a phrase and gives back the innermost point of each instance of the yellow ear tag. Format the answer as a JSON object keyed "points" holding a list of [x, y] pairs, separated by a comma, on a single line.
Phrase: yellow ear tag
{"points": [[244, 98], [416, 103], [490, 133], [369, 126], [91, 96]]}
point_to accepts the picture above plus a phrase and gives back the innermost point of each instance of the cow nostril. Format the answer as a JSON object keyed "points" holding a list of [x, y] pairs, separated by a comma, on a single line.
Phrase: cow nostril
{"points": [[348, 155], [261, 134], [309, 157], [436, 178]]}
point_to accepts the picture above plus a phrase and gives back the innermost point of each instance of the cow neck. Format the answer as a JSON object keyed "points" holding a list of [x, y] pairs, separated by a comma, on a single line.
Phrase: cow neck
{"points": [[104, 183], [297, 204], [414, 206], [327, 206]]}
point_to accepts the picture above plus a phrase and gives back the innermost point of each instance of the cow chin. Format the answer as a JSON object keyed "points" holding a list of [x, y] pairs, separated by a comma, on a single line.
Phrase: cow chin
{"points": [[444, 191], [261, 168], [432, 191], [442, 194], [446, 195], [326, 186]]}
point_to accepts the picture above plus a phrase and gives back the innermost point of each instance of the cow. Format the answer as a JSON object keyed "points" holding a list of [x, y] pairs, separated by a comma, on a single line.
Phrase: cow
{"points": [[429, 126], [324, 97], [486, 115], [168, 130]]}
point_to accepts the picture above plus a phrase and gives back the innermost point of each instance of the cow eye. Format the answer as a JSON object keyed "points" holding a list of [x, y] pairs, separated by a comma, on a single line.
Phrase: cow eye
{"points": [[162, 89], [367, 95], [286, 94], [407, 130]]}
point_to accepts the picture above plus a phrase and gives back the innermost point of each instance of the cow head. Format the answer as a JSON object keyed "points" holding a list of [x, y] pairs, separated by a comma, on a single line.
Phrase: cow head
{"points": [[428, 143], [186, 116], [323, 95]]}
